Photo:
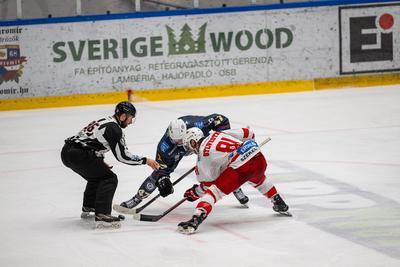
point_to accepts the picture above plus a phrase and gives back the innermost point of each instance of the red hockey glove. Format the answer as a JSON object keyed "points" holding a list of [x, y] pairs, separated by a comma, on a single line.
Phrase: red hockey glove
{"points": [[191, 193]]}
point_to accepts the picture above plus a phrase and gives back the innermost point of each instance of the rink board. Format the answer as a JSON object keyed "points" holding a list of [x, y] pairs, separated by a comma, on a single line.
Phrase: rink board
{"points": [[199, 92], [198, 53]]}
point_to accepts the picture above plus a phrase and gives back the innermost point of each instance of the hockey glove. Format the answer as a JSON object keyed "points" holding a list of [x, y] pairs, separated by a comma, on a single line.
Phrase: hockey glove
{"points": [[165, 186], [191, 194]]}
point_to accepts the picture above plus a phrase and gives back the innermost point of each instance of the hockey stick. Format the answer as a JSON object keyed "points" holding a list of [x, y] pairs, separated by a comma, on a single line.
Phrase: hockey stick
{"points": [[155, 218], [120, 209], [265, 141]]}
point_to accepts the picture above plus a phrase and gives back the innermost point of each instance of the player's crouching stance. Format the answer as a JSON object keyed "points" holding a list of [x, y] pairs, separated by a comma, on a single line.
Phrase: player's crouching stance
{"points": [[226, 160], [170, 151], [84, 154]]}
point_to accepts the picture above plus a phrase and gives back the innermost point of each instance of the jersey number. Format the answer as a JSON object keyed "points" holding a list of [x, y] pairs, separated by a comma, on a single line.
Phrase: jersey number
{"points": [[227, 145], [89, 129]]}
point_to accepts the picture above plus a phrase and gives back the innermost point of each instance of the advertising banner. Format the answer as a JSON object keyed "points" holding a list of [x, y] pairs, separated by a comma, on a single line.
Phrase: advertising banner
{"points": [[184, 51]]}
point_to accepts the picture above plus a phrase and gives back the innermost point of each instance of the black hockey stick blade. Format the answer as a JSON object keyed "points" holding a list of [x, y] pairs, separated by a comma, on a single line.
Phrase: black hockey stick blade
{"points": [[146, 217], [155, 218]]}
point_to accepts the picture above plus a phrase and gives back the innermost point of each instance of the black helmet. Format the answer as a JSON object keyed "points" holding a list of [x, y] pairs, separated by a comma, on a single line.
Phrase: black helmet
{"points": [[125, 107]]}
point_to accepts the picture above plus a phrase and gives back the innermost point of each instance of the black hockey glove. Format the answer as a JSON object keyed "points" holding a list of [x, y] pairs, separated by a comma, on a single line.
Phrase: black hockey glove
{"points": [[165, 186]]}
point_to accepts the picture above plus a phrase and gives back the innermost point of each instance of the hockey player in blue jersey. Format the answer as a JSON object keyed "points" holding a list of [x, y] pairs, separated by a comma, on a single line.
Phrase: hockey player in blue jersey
{"points": [[170, 151]]}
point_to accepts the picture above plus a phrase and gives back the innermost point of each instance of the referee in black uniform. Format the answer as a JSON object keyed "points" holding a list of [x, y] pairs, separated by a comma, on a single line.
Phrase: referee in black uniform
{"points": [[84, 154]]}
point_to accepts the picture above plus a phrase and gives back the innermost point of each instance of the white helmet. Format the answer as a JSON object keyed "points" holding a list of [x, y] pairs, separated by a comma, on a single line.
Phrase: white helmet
{"points": [[177, 131], [192, 137]]}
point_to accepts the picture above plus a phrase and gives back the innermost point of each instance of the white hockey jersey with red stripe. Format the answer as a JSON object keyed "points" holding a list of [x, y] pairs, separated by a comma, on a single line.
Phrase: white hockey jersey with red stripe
{"points": [[220, 150]]}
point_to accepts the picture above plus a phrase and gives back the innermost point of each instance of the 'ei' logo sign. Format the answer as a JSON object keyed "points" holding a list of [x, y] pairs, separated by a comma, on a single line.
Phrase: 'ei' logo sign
{"points": [[369, 38]]}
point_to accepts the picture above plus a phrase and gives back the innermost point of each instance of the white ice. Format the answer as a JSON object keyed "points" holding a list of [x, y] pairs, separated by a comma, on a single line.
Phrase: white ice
{"points": [[334, 157]]}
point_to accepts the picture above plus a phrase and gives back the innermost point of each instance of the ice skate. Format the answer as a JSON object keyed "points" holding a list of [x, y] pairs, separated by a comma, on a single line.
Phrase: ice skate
{"points": [[87, 213], [280, 205], [191, 226], [243, 199], [127, 207], [107, 221]]}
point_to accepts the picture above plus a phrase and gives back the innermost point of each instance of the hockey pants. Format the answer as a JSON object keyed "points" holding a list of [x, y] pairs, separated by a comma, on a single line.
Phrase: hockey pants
{"points": [[231, 179], [101, 181]]}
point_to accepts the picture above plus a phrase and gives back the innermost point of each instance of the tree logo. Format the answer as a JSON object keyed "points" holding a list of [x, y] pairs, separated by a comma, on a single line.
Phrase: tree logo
{"points": [[11, 63], [186, 44]]}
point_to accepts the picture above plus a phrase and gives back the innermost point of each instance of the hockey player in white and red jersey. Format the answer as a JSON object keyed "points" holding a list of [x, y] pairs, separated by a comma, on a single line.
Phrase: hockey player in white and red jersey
{"points": [[226, 160]]}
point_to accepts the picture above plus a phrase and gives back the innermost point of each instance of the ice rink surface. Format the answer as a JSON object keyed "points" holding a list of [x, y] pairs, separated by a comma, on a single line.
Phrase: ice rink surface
{"points": [[334, 157]]}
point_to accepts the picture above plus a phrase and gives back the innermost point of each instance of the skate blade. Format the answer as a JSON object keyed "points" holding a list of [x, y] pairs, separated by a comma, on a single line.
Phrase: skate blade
{"points": [[87, 215], [123, 210], [107, 225], [186, 231], [285, 213]]}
